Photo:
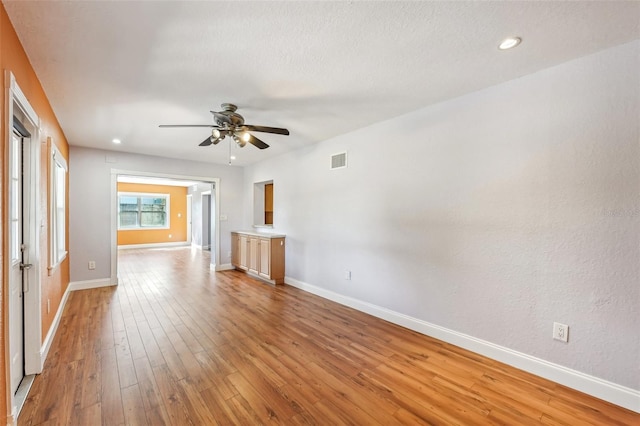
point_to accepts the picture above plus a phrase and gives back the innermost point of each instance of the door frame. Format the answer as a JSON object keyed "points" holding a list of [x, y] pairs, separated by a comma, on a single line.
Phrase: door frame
{"points": [[209, 219], [16, 102], [189, 229], [114, 212]]}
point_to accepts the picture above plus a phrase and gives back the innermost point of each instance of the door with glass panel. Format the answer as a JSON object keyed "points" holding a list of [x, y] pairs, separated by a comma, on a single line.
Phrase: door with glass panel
{"points": [[16, 248]]}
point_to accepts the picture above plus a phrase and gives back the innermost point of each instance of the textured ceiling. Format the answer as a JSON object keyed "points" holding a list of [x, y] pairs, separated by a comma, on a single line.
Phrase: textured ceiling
{"points": [[320, 69]]}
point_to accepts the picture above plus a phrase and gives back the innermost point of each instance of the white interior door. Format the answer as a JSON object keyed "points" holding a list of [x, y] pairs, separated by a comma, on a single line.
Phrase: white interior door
{"points": [[206, 221], [16, 306]]}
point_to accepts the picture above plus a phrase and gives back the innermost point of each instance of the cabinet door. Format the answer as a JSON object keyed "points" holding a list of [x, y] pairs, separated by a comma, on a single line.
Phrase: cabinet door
{"points": [[254, 244], [235, 249], [265, 258], [243, 242]]}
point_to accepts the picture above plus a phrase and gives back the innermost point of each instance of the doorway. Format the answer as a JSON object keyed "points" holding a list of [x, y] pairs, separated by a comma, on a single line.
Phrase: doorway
{"points": [[17, 258], [23, 346], [191, 209]]}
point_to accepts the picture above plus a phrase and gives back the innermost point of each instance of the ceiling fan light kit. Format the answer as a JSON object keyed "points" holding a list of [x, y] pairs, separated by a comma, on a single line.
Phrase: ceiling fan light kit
{"points": [[229, 123]]}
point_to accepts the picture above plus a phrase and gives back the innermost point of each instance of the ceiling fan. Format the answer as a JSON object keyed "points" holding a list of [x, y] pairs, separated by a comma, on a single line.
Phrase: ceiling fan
{"points": [[229, 123]]}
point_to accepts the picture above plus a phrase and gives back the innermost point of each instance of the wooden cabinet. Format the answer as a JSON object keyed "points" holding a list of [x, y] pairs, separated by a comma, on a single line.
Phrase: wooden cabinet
{"points": [[235, 249], [264, 260], [243, 251], [254, 251], [261, 255]]}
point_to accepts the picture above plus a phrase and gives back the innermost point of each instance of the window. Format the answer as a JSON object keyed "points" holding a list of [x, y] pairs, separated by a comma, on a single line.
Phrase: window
{"points": [[58, 247], [14, 197], [143, 211], [263, 204]]}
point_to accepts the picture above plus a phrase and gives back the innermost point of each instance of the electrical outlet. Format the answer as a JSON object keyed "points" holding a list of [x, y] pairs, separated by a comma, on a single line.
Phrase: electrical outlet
{"points": [[561, 332], [347, 275], [92, 264]]}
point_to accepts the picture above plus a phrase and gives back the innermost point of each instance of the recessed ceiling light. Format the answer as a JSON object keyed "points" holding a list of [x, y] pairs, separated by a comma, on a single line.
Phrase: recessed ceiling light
{"points": [[116, 141], [509, 43], [233, 157]]}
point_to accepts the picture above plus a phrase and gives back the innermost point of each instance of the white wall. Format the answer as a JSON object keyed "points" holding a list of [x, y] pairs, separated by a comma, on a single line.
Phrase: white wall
{"points": [[90, 208], [493, 215], [197, 223]]}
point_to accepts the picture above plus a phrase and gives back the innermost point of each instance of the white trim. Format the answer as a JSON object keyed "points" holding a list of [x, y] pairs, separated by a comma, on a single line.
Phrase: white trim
{"points": [[16, 99], [46, 345], [225, 267], [594, 386], [73, 286], [19, 97], [86, 285], [200, 247], [23, 392], [12, 416], [114, 217], [153, 245], [55, 256], [114, 228], [189, 218]]}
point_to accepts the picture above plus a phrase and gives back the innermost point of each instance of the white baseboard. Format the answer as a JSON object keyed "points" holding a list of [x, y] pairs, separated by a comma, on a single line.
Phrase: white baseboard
{"points": [[608, 391], [12, 417], [46, 345], [154, 245], [85, 285], [73, 286], [225, 267], [200, 246]]}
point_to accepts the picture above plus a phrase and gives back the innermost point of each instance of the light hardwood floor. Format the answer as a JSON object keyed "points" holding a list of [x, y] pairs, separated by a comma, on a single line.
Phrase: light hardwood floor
{"points": [[176, 343]]}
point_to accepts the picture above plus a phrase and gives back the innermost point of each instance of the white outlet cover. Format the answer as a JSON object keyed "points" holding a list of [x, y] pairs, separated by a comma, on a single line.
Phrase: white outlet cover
{"points": [[560, 332]]}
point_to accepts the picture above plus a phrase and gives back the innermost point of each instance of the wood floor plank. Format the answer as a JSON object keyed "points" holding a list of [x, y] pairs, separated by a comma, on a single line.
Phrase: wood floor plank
{"points": [[149, 391], [178, 344], [173, 403], [111, 399], [134, 411], [91, 415]]}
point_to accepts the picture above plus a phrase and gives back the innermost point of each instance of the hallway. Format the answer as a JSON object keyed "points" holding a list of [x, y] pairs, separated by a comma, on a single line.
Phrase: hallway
{"points": [[176, 343]]}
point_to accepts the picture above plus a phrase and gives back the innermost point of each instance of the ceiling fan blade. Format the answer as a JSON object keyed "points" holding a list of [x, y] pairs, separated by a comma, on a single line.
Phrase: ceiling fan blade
{"points": [[257, 142], [206, 142], [187, 125], [265, 129]]}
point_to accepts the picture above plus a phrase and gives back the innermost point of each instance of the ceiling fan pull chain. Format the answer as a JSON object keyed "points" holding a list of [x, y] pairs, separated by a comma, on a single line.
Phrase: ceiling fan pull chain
{"points": [[229, 151]]}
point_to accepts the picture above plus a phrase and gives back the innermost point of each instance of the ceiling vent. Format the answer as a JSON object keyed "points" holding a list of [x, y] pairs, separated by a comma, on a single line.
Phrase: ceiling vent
{"points": [[339, 161]]}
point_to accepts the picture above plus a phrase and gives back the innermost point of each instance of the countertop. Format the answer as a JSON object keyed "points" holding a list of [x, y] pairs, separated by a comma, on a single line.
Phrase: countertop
{"points": [[260, 234]]}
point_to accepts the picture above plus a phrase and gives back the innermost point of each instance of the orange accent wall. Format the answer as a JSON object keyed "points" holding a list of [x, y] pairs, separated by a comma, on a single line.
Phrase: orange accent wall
{"points": [[13, 58], [177, 219]]}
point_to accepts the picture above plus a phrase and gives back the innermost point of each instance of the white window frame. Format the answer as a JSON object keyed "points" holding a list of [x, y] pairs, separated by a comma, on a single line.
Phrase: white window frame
{"points": [[58, 206], [145, 194]]}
